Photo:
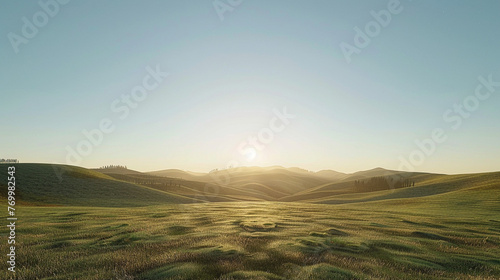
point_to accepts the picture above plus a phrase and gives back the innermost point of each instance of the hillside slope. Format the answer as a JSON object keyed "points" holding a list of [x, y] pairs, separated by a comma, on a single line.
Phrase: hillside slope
{"points": [[71, 185], [177, 173], [472, 194], [243, 183], [429, 185]]}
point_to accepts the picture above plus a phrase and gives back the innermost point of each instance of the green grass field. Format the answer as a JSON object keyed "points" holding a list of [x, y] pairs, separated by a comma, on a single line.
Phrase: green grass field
{"points": [[452, 233], [256, 241]]}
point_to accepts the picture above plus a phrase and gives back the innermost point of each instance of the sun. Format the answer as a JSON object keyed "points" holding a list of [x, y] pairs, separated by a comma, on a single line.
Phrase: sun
{"points": [[250, 154]]}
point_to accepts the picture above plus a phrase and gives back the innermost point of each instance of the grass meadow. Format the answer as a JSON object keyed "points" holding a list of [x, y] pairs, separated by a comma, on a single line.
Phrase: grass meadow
{"points": [[397, 239]]}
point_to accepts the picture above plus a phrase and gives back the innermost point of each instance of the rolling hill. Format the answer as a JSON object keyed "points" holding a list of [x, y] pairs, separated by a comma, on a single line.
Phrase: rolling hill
{"points": [[446, 227], [51, 184], [70, 185], [262, 223], [244, 183], [327, 186], [428, 185], [177, 173]]}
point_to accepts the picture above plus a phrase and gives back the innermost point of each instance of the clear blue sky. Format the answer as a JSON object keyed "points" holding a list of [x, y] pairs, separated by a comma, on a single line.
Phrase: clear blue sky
{"points": [[227, 76]]}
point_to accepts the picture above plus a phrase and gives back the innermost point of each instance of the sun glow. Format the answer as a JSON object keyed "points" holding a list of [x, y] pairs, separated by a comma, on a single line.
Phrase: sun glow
{"points": [[251, 154]]}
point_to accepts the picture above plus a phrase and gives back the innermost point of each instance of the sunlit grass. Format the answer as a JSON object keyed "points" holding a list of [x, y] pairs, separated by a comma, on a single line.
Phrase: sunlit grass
{"points": [[253, 241]]}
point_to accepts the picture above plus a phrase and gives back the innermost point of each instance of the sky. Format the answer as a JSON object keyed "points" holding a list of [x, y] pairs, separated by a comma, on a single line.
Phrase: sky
{"points": [[199, 85]]}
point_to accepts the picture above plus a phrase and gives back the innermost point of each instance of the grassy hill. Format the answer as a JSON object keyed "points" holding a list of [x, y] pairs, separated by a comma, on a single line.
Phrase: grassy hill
{"points": [[70, 185], [117, 170], [465, 195], [276, 182], [200, 190], [451, 235], [331, 175], [427, 185], [446, 227], [245, 183], [177, 173], [284, 184]]}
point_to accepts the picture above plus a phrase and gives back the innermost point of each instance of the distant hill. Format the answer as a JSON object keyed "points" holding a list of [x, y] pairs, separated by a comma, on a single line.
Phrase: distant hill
{"points": [[70, 185], [332, 175], [245, 183], [427, 185], [116, 170], [462, 195], [375, 172], [176, 173], [275, 182]]}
